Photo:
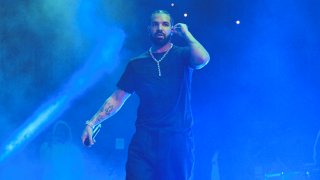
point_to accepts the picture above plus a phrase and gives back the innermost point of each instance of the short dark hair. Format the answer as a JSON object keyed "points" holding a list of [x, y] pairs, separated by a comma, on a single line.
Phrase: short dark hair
{"points": [[163, 12]]}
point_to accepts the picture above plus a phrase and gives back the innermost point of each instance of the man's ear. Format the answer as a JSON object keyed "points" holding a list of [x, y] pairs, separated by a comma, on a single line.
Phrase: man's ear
{"points": [[172, 30]]}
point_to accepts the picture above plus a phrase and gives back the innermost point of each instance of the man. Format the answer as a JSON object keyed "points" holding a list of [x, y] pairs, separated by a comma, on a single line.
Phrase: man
{"points": [[162, 146]]}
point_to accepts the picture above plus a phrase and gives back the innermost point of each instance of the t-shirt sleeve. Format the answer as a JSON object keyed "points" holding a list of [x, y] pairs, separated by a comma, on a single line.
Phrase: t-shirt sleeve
{"points": [[126, 81]]}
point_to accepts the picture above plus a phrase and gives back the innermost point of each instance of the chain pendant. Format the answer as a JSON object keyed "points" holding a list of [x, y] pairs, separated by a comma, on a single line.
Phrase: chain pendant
{"points": [[158, 61], [159, 70]]}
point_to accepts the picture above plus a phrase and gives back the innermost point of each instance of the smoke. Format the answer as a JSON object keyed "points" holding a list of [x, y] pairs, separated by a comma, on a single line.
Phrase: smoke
{"points": [[46, 41], [41, 45], [37, 37]]}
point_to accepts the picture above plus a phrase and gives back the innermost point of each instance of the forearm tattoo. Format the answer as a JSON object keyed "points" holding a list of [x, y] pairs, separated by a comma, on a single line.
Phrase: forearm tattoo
{"points": [[104, 112], [108, 109]]}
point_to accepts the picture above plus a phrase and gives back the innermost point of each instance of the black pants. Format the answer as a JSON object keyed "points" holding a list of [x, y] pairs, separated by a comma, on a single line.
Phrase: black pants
{"points": [[158, 155]]}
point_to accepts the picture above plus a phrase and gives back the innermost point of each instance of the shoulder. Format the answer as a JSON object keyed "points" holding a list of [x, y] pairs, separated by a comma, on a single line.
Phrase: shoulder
{"points": [[180, 48], [138, 61], [143, 56], [181, 52]]}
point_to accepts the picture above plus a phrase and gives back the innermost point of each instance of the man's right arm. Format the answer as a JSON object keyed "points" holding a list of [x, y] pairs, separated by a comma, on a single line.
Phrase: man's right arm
{"points": [[111, 106]]}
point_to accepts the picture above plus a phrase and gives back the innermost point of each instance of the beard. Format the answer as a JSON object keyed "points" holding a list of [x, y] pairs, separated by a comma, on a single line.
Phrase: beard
{"points": [[159, 41]]}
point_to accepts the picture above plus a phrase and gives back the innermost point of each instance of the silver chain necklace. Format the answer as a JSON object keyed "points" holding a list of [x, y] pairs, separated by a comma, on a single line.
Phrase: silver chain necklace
{"points": [[158, 61]]}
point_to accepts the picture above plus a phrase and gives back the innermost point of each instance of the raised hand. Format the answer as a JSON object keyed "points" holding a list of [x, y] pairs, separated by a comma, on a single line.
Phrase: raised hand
{"points": [[180, 29]]}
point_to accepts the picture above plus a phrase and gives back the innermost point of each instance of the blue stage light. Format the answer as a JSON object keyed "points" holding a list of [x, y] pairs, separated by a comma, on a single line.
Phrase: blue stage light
{"points": [[102, 60]]}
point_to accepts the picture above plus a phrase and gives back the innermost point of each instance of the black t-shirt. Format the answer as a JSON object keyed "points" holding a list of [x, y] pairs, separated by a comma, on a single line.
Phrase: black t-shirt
{"points": [[164, 100]]}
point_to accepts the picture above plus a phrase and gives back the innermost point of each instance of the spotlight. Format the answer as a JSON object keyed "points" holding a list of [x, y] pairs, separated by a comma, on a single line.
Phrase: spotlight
{"points": [[172, 4], [185, 15], [79, 82], [238, 22]]}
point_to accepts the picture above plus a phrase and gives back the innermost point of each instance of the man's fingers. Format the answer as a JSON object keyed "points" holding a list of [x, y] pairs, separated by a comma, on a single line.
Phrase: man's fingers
{"points": [[88, 141], [91, 141], [180, 29], [179, 26], [87, 138], [84, 137]]}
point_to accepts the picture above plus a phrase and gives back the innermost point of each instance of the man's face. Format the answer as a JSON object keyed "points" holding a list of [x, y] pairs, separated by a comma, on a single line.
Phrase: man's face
{"points": [[160, 29]]}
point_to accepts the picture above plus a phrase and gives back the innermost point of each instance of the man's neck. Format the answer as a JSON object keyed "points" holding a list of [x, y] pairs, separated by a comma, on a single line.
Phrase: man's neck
{"points": [[160, 49]]}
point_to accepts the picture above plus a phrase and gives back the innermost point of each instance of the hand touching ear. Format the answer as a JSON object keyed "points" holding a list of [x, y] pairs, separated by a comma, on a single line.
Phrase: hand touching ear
{"points": [[180, 29]]}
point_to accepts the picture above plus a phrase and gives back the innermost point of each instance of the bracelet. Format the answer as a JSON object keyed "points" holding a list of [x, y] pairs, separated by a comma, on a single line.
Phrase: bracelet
{"points": [[89, 123]]}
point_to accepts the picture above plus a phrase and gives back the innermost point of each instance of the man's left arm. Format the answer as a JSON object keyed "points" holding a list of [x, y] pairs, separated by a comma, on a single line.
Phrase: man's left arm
{"points": [[199, 55]]}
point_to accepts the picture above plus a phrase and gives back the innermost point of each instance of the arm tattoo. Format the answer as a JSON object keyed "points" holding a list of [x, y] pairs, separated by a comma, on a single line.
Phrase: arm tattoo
{"points": [[108, 110], [105, 111]]}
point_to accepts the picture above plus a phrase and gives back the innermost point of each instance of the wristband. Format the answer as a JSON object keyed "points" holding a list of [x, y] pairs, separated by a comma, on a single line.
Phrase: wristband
{"points": [[89, 123]]}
